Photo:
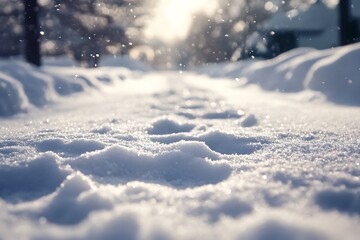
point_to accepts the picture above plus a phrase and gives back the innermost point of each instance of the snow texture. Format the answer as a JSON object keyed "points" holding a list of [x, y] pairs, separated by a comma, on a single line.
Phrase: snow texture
{"points": [[169, 155], [333, 72]]}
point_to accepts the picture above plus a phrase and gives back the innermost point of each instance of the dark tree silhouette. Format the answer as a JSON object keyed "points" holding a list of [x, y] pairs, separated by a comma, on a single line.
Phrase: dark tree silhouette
{"points": [[31, 32], [90, 27], [216, 38], [348, 27], [344, 22]]}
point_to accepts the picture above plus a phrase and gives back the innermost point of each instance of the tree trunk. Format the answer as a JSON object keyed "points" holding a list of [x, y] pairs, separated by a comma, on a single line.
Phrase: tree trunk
{"points": [[345, 23], [31, 32]]}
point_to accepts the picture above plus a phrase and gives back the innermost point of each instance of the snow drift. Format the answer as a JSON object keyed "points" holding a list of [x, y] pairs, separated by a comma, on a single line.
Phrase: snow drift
{"points": [[333, 72], [23, 86], [157, 154]]}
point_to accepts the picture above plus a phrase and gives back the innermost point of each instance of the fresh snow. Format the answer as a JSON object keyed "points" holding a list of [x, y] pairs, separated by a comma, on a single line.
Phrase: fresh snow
{"points": [[257, 150], [333, 72]]}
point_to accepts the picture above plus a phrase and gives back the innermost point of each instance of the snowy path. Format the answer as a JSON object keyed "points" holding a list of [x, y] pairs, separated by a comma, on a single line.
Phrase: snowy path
{"points": [[185, 157]]}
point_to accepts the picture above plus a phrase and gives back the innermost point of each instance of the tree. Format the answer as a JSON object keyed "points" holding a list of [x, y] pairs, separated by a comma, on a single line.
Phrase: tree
{"points": [[348, 27], [31, 32], [216, 38], [84, 29], [88, 29]]}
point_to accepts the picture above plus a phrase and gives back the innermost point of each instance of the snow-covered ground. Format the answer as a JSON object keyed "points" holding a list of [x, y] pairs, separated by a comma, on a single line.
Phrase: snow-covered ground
{"points": [[169, 155], [333, 72]]}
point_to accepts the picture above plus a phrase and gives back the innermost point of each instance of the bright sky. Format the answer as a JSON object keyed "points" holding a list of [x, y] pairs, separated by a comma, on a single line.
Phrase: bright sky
{"points": [[172, 18]]}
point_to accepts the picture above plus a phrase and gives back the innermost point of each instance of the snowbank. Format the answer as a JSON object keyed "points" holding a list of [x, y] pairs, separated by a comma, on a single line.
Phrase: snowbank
{"points": [[12, 96], [172, 156], [23, 86], [333, 72], [338, 75]]}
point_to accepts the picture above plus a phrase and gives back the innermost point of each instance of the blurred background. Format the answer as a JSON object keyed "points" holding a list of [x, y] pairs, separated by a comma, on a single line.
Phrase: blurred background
{"points": [[172, 34]]}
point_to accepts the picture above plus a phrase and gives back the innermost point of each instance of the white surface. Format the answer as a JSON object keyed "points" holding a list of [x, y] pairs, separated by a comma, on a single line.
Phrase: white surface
{"points": [[335, 73], [164, 155]]}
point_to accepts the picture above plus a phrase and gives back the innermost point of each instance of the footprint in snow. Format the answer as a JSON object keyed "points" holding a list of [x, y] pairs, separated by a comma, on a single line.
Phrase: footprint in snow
{"points": [[182, 164], [220, 142]]}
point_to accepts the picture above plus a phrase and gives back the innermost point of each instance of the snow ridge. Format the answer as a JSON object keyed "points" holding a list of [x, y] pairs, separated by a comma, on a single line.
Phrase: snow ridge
{"points": [[333, 72]]}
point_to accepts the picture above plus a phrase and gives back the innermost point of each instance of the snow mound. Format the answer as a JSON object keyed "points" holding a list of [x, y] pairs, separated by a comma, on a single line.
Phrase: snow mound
{"points": [[38, 177], [249, 121], [343, 201], [71, 203], [40, 87], [333, 72], [22, 85], [180, 164], [288, 179], [230, 207], [12, 96], [74, 147], [224, 143], [168, 126], [223, 114], [338, 76], [125, 224], [272, 229], [269, 74], [102, 130]]}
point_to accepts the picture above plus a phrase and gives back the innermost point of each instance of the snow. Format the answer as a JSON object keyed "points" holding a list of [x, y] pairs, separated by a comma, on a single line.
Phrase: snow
{"points": [[337, 76], [168, 126], [120, 61], [249, 121], [24, 86], [332, 72], [182, 165], [223, 154], [218, 141]]}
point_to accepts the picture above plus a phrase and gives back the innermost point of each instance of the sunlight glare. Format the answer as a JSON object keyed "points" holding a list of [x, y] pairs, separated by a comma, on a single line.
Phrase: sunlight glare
{"points": [[172, 19]]}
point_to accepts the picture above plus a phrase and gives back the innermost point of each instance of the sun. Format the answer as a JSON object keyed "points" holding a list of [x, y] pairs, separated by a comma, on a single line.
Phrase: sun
{"points": [[172, 19]]}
